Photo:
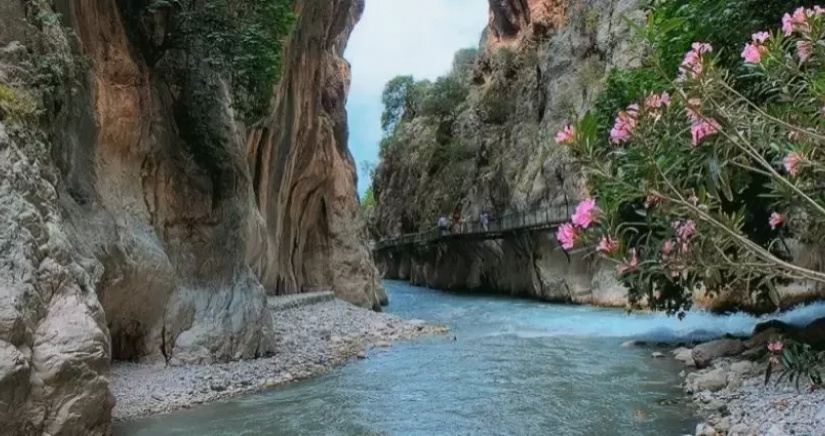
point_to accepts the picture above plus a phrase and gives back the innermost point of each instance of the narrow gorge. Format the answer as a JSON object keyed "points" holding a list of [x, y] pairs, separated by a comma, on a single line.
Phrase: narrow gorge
{"points": [[480, 140], [538, 62], [150, 203], [181, 221]]}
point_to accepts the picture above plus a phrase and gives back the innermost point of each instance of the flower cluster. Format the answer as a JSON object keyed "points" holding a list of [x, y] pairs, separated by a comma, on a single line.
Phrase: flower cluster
{"points": [[776, 220], [700, 126], [791, 163], [566, 135], [754, 50], [674, 252], [691, 67], [584, 215], [628, 263], [775, 348], [607, 245], [624, 124], [798, 22]]}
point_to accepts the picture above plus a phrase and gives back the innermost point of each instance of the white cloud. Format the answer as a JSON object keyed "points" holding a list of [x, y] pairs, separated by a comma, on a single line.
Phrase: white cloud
{"points": [[395, 37]]}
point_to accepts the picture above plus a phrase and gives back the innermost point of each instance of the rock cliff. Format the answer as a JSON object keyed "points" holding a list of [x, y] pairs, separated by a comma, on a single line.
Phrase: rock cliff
{"points": [[539, 61], [141, 218]]}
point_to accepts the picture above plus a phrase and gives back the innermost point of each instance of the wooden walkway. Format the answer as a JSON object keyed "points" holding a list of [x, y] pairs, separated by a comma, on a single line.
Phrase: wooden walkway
{"points": [[537, 219]]}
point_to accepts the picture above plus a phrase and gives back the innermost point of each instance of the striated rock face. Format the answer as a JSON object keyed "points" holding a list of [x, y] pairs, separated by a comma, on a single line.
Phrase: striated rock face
{"points": [[303, 171], [539, 62], [140, 219]]}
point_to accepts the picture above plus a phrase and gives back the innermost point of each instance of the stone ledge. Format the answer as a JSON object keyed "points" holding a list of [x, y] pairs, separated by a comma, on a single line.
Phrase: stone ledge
{"points": [[284, 302]]}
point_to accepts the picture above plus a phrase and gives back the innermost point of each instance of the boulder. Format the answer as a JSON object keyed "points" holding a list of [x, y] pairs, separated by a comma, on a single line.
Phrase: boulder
{"points": [[684, 355], [713, 380], [705, 429], [704, 354]]}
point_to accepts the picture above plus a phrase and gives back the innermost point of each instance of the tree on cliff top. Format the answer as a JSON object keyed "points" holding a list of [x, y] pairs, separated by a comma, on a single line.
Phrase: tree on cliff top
{"points": [[402, 100]]}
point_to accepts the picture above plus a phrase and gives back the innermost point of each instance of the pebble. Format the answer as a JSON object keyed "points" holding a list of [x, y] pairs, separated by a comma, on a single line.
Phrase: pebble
{"points": [[734, 400], [310, 340]]}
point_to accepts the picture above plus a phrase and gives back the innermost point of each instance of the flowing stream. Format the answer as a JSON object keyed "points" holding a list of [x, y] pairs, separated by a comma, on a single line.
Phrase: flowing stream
{"points": [[507, 367]]}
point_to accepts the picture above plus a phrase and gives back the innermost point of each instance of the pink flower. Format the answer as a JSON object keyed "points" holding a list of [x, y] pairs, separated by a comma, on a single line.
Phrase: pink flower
{"points": [[800, 16], [775, 346], [691, 67], [702, 128], [624, 125], [787, 25], [651, 200], [567, 234], [585, 213], [798, 21], [566, 135], [628, 264], [667, 248], [776, 219], [607, 245], [760, 37], [685, 229], [791, 162], [701, 47], [803, 50], [752, 53], [656, 101]]}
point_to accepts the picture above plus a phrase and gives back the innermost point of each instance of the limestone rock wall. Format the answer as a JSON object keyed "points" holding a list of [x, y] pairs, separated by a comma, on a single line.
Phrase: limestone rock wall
{"points": [[140, 219], [303, 171], [540, 62]]}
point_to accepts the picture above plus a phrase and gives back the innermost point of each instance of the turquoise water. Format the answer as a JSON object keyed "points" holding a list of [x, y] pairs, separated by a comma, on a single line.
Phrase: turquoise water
{"points": [[507, 367]]}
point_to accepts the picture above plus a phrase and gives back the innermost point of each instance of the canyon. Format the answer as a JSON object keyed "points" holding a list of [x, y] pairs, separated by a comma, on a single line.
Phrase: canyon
{"points": [[142, 218], [538, 62], [539, 65]]}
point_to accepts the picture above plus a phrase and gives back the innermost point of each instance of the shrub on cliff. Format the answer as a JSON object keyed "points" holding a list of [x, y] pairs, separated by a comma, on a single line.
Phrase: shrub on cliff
{"points": [[242, 38], [686, 171]]}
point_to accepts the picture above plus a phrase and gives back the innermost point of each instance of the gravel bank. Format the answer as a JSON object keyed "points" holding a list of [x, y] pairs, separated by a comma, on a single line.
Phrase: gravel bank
{"points": [[310, 340], [732, 398]]}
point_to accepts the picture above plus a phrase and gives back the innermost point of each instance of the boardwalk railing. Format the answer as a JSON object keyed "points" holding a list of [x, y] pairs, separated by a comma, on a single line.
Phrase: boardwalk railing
{"points": [[545, 217]]}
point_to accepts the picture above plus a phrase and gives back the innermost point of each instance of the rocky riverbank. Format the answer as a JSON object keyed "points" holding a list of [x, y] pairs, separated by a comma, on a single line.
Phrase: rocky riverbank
{"points": [[726, 380], [310, 340]]}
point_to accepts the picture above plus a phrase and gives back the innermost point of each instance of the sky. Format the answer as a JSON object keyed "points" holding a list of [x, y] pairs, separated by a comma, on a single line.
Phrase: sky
{"points": [[400, 37]]}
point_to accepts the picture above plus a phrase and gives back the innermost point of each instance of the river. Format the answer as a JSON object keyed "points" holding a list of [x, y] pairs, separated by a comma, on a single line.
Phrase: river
{"points": [[507, 367]]}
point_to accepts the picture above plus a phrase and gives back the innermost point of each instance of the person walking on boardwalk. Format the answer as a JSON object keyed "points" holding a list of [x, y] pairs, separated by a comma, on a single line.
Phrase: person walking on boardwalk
{"points": [[485, 221], [456, 221], [443, 224]]}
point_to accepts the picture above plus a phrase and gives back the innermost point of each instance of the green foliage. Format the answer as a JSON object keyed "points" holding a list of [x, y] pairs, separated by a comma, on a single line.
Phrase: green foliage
{"points": [[464, 62], [799, 362], [496, 106], [15, 105], [402, 99], [241, 37], [368, 200], [505, 59], [591, 19], [621, 88], [444, 98], [726, 24]]}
